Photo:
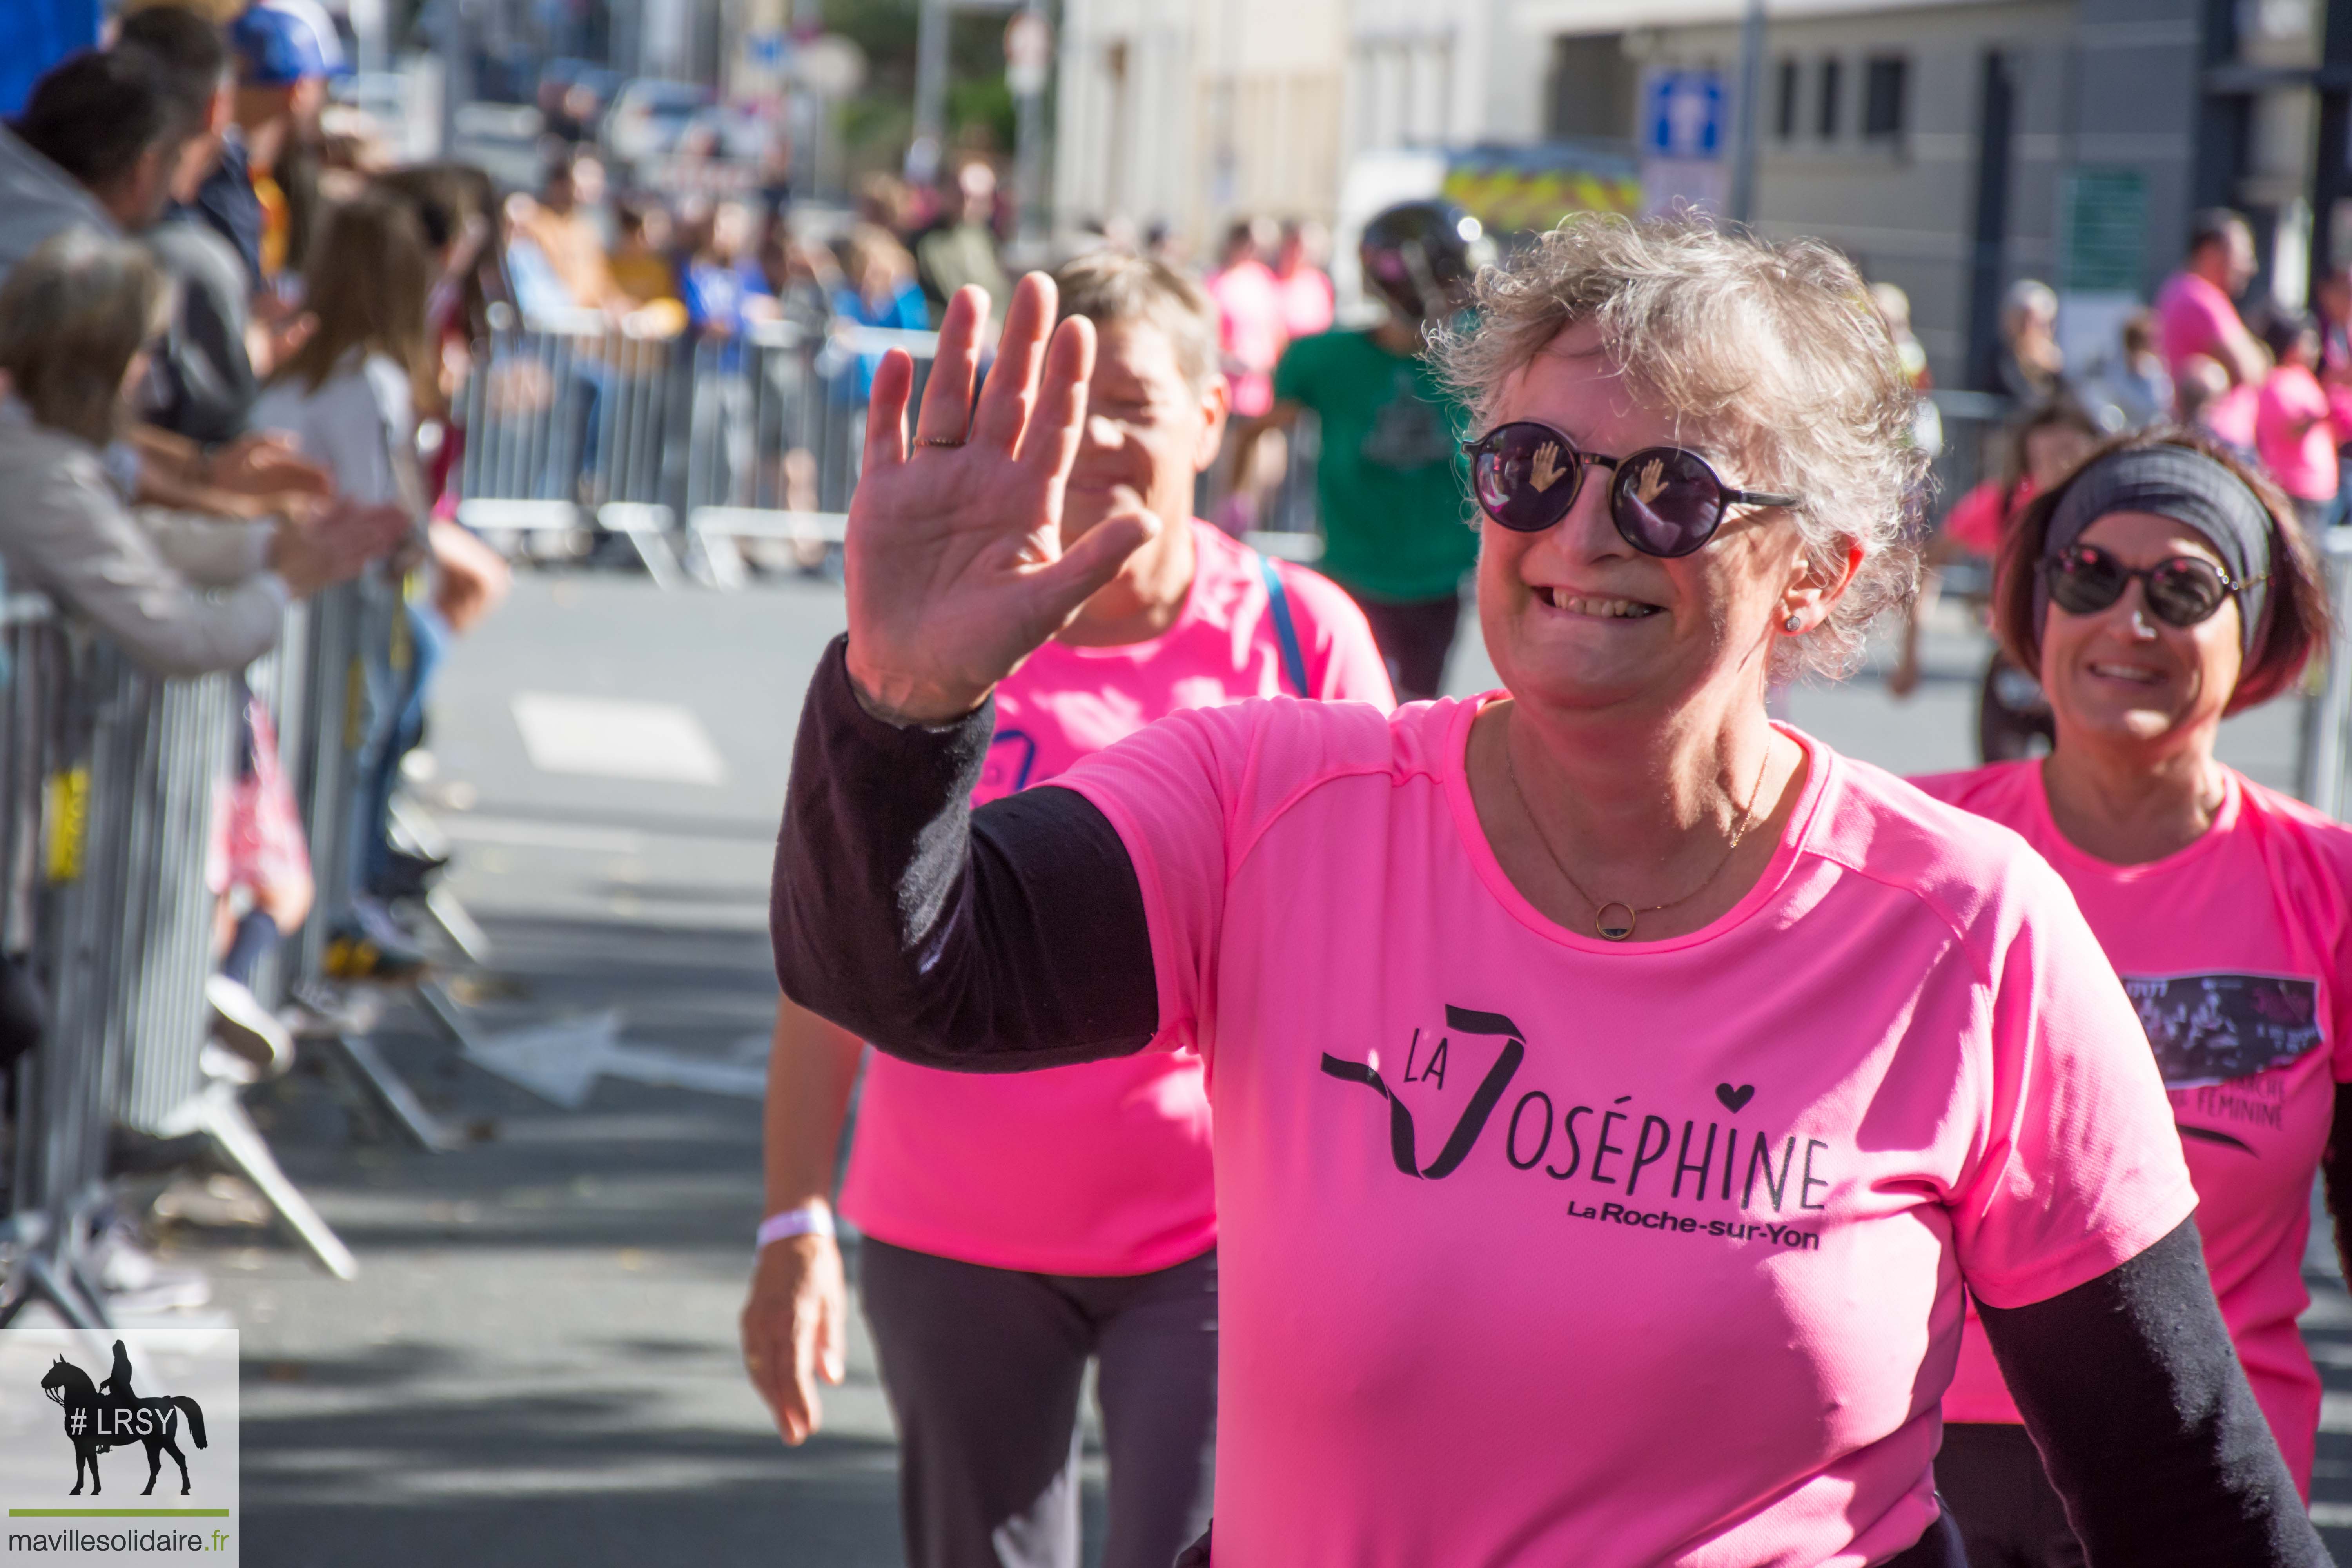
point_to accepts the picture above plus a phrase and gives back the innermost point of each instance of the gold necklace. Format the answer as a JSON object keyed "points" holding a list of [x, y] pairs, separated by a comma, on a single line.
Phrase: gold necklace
{"points": [[1622, 931]]}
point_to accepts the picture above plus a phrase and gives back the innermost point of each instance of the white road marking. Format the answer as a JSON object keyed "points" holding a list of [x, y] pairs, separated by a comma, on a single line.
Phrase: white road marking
{"points": [[561, 1062], [612, 738]]}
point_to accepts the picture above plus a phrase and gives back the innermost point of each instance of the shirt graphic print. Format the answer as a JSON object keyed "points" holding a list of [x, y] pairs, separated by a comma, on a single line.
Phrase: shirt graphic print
{"points": [[2233, 953]]}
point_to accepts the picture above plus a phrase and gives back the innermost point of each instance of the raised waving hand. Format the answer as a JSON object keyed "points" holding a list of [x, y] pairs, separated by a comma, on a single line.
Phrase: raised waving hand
{"points": [[955, 561]]}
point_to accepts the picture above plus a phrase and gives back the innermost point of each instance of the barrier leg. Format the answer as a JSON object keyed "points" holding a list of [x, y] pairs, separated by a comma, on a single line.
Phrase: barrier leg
{"points": [[36, 1277], [443, 1010], [458, 926], [216, 1113], [357, 1058]]}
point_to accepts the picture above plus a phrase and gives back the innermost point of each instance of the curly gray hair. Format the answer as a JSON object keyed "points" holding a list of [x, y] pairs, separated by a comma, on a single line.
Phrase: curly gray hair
{"points": [[1772, 347]]}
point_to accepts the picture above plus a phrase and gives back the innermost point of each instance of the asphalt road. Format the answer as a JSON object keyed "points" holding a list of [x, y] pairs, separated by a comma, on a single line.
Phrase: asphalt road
{"points": [[537, 1364]]}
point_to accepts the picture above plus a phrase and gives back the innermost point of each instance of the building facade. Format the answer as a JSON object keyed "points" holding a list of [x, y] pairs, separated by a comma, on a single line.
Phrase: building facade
{"points": [[1193, 112]]}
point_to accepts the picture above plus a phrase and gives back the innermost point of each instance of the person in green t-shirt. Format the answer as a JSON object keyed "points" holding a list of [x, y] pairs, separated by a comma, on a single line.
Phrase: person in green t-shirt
{"points": [[1392, 481]]}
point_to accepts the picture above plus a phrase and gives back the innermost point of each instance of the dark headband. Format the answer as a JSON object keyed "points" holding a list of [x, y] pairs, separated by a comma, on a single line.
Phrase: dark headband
{"points": [[2187, 486]]}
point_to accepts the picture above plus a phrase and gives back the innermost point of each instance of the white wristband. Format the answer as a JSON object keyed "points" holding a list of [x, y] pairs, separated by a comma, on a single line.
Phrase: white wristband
{"points": [[809, 1219]]}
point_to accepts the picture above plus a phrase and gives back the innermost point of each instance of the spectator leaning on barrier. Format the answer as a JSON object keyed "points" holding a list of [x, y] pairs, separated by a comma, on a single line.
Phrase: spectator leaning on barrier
{"points": [[286, 54], [349, 397], [75, 318], [96, 146], [206, 385]]}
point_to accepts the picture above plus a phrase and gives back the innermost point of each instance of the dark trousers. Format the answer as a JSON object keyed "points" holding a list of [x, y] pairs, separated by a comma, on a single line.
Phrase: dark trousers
{"points": [[983, 1366], [2011, 713], [1414, 636], [1991, 1475]]}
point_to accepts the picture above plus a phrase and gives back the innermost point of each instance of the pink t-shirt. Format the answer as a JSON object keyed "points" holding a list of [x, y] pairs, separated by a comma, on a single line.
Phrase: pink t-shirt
{"points": [[2303, 462], [1977, 520], [1101, 1168], [2232, 416], [2238, 951], [1306, 303], [2193, 317], [1540, 1249], [1249, 331]]}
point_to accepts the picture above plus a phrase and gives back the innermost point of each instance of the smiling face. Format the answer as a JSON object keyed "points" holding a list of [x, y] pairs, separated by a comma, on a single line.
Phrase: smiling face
{"points": [[2122, 678], [1576, 618], [1148, 430]]}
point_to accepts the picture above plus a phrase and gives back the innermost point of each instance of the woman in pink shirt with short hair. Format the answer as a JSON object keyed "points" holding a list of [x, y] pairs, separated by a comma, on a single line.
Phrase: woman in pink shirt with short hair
{"points": [[2162, 588], [1016, 1229], [1614, 1091]]}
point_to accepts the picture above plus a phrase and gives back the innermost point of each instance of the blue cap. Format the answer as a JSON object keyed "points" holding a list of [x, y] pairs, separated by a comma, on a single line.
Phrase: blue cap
{"points": [[281, 42]]}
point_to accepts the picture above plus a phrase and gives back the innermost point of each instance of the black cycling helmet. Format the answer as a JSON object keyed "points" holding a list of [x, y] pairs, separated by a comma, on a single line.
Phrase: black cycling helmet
{"points": [[1421, 256]]}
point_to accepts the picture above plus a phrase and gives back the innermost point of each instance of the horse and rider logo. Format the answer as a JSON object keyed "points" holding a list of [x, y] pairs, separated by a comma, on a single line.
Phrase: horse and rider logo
{"points": [[112, 1416]]}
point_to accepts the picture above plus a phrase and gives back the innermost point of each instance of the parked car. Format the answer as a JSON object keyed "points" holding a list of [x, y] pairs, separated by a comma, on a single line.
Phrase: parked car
{"points": [[648, 117]]}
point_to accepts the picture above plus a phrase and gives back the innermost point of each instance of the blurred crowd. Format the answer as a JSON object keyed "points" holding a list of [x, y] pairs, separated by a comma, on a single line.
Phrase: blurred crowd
{"points": [[230, 339], [2271, 383]]}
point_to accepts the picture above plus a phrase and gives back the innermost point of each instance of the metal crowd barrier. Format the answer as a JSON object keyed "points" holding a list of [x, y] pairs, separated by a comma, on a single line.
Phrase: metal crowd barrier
{"points": [[683, 446], [108, 783], [108, 794], [2324, 770]]}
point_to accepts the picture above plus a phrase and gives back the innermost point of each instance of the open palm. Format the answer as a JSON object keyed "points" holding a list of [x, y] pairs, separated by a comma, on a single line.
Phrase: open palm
{"points": [[955, 561]]}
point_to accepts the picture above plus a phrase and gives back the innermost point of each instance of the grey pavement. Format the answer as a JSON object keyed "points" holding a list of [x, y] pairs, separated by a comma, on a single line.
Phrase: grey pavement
{"points": [[538, 1362]]}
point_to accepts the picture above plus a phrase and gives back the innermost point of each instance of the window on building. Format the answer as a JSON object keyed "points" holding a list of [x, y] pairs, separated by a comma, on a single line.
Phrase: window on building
{"points": [[1784, 111], [1593, 86], [1825, 113], [1885, 85]]}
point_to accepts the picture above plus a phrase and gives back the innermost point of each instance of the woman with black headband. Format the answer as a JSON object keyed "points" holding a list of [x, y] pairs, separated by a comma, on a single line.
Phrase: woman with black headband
{"points": [[2161, 588], [1613, 1090]]}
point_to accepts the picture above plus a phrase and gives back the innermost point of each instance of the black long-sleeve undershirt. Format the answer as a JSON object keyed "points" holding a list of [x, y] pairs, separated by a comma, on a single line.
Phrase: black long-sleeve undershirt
{"points": [[1014, 937]]}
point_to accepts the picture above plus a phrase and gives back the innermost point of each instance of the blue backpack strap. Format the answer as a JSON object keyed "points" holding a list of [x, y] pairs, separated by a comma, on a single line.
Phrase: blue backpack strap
{"points": [[1286, 630]]}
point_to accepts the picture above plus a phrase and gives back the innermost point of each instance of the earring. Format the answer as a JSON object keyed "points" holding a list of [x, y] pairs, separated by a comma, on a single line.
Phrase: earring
{"points": [[1793, 623]]}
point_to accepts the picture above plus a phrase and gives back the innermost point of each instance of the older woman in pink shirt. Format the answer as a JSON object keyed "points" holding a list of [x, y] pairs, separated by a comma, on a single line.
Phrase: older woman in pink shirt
{"points": [[1615, 1092]]}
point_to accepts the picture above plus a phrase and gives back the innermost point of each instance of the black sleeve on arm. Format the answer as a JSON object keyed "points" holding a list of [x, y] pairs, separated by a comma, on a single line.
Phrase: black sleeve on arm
{"points": [[995, 941], [2133, 1393], [2335, 1167]]}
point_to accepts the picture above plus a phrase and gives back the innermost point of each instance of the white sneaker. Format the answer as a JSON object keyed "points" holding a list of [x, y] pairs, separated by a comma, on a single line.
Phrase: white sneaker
{"points": [[136, 1280], [248, 1029]]}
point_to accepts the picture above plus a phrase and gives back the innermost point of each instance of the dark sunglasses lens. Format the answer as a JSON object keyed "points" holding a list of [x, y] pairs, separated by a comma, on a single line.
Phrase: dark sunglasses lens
{"points": [[2084, 582], [1666, 503], [2184, 592], [1527, 478]]}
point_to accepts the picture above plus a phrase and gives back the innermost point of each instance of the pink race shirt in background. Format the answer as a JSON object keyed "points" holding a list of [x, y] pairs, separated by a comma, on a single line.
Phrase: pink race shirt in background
{"points": [[1249, 331], [2193, 317], [2295, 434], [1978, 519], [1101, 1168], [2237, 952], [1306, 303], [1540, 1249]]}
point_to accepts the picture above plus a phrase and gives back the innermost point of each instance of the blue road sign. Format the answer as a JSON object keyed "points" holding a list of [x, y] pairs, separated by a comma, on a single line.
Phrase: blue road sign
{"points": [[1682, 114], [36, 35]]}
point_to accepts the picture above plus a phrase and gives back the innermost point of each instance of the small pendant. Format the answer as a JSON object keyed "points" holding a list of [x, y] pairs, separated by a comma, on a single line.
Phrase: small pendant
{"points": [[1608, 923]]}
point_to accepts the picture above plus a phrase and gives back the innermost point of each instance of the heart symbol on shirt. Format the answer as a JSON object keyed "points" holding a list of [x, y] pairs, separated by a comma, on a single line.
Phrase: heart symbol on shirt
{"points": [[1733, 1099]]}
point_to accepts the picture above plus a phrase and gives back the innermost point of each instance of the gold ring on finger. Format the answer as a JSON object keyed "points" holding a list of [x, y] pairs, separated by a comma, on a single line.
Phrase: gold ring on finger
{"points": [[939, 441]]}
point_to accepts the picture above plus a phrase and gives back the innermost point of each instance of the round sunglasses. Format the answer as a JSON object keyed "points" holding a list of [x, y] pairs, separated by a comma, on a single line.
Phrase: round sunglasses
{"points": [[2181, 592], [1664, 501]]}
